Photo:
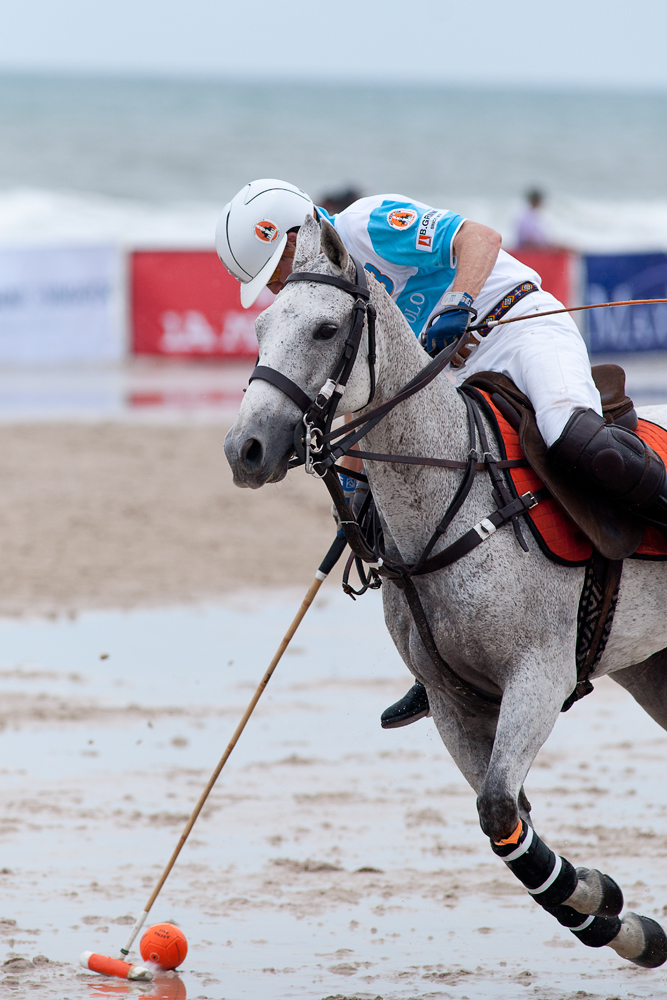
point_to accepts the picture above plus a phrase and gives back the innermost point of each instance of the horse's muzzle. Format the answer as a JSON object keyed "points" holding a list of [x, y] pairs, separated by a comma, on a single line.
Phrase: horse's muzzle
{"points": [[254, 460]]}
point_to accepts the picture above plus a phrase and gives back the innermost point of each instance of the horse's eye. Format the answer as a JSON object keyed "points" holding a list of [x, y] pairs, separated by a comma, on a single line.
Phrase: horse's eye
{"points": [[325, 332]]}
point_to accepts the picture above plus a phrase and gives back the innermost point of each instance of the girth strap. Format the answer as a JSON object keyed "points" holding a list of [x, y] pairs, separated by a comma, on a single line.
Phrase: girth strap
{"points": [[480, 532]]}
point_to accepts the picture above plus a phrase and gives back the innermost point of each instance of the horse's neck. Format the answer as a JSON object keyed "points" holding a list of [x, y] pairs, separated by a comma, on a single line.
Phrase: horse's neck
{"points": [[430, 423]]}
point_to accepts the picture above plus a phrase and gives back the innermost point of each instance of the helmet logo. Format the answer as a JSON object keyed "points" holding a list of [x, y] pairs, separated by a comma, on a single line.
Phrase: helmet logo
{"points": [[402, 218], [266, 231]]}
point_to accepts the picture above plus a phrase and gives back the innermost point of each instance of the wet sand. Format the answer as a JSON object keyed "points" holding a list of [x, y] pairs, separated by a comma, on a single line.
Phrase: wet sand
{"points": [[334, 859]]}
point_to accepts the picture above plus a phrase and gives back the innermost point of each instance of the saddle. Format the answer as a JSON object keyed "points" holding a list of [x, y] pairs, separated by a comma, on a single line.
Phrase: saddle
{"points": [[602, 525]]}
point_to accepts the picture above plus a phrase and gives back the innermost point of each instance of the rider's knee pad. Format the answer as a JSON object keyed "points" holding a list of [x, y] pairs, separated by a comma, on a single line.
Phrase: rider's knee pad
{"points": [[610, 458]]}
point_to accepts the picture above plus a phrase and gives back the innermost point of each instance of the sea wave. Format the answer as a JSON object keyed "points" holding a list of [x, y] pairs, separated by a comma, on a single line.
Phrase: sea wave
{"points": [[38, 217]]}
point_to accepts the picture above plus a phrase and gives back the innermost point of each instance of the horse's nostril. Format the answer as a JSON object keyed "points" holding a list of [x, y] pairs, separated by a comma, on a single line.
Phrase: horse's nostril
{"points": [[252, 454]]}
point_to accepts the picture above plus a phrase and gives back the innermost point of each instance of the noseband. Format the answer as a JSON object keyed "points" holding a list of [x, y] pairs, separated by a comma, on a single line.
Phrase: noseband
{"points": [[318, 413]]}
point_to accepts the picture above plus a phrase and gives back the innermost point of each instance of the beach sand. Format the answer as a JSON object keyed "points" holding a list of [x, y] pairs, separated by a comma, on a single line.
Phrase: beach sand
{"points": [[142, 597], [130, 515]]}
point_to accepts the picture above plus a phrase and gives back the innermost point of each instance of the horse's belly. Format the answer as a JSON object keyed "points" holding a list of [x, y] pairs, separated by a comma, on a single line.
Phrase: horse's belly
{"points": [[489, 615], [640, 622]]}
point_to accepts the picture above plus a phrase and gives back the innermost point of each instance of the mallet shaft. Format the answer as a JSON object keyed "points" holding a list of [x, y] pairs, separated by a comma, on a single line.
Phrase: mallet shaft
{"points": [[325, 568], [571, 309]]}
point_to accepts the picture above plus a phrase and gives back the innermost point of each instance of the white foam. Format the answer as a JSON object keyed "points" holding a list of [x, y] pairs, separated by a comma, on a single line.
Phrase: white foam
{"points": [[38, 217], [34, 217]]}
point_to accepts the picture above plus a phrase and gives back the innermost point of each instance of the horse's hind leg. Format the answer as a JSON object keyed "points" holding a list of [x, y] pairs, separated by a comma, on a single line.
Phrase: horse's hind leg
{"points": [[585, 901], [647, 683]]}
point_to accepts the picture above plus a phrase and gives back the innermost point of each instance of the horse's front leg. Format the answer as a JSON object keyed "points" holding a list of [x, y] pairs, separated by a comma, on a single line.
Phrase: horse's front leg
{"points": [[469, 738], [533, 694]]}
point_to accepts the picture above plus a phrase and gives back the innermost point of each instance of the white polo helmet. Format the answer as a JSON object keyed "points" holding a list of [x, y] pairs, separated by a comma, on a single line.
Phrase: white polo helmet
{"points": [[252, 231]]}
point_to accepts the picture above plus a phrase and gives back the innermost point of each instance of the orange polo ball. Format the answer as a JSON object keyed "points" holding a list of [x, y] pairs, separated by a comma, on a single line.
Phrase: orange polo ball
{"points": [[165, 945]]}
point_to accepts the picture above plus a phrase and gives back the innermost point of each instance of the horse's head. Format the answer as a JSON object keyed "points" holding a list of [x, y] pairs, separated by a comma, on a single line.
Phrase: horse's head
{"points": [[301, 335]]}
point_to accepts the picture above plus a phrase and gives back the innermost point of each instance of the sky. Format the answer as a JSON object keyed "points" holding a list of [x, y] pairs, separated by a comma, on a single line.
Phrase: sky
{"points": [[542, 43]]}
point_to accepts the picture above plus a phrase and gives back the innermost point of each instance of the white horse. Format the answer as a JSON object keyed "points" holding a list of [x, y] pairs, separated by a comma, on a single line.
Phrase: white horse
{"points": [[505, 620]]}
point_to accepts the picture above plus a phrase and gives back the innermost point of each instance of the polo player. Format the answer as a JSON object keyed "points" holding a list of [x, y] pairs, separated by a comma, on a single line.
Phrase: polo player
{"points": [[435, 263]]}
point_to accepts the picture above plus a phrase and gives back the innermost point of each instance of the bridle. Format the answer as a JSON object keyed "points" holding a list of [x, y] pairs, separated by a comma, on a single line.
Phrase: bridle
{"points": [[318, 413], [318, 447]]}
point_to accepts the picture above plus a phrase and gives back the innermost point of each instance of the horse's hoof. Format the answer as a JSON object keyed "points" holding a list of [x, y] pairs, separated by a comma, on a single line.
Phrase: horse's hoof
{"points": [[641, 940], [596, 894]]}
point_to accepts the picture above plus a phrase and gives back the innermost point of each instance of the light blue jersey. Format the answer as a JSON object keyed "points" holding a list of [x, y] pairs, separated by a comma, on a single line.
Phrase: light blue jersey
{"points": [[409, 247]]}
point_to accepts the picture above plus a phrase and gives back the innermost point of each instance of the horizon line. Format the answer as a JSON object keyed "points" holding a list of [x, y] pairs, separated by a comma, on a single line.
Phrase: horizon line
{"points": [[350, 82]]}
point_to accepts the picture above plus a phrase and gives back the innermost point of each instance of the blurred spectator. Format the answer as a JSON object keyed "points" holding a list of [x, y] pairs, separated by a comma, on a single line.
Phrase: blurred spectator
{"points": [[336, 201], [532, 231]]}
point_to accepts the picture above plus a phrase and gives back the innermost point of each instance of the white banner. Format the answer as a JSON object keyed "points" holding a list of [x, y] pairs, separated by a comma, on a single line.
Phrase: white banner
{"points": [[61, 304]]}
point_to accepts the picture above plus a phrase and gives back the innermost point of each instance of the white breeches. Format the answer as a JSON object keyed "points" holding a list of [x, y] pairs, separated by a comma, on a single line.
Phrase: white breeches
{"points": [[545, 358]]}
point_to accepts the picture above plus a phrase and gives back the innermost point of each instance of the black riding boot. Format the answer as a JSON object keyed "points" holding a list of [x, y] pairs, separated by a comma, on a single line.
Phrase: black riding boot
{"points": [[611, 459], [412, 707]]}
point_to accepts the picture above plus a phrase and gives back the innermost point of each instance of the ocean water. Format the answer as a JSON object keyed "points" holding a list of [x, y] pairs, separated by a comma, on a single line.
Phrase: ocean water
{"points": [[152, 161]]}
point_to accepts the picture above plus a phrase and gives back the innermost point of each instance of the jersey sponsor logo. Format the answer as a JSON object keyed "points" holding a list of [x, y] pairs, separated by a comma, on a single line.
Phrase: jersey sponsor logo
{"points": [[402, 218], [426, 231], [266, 231]]}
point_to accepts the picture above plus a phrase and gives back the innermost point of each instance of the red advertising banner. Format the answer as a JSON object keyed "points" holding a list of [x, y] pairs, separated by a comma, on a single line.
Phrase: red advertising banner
{"points": [[185, 304], [557, 268]]}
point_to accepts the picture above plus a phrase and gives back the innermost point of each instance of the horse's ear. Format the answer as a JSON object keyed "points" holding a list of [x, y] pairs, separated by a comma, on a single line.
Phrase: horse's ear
{"points": [[333, 247], [307, 244]]}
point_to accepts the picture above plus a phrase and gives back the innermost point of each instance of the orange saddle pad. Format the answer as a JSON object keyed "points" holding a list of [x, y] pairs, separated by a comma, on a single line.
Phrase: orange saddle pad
{"points": [[557, 534]]}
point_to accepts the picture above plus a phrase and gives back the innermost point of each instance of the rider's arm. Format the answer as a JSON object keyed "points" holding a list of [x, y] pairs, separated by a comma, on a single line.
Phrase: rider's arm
{"points": [[476, 250]]}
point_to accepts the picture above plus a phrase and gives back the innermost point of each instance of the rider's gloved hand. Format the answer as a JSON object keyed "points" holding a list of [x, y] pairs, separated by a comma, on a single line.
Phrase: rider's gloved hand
{"points": [[451, 324]]}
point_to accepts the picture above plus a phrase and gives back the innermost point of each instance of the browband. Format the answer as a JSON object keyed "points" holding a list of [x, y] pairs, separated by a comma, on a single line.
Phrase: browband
{"points": [[331, 279]]}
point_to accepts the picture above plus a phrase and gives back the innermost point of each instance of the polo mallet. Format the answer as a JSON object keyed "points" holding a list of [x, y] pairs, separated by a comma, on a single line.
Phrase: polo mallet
{"points": [[119, 967]]}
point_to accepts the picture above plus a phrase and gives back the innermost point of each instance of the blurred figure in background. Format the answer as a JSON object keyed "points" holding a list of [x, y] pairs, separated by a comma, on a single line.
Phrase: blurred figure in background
{"points": [[532, 231], [338, 201]]}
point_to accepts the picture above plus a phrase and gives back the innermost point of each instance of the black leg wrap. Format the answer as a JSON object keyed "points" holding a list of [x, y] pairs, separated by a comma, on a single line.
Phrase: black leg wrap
{"points": [[548, 878], [592, 931]]}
